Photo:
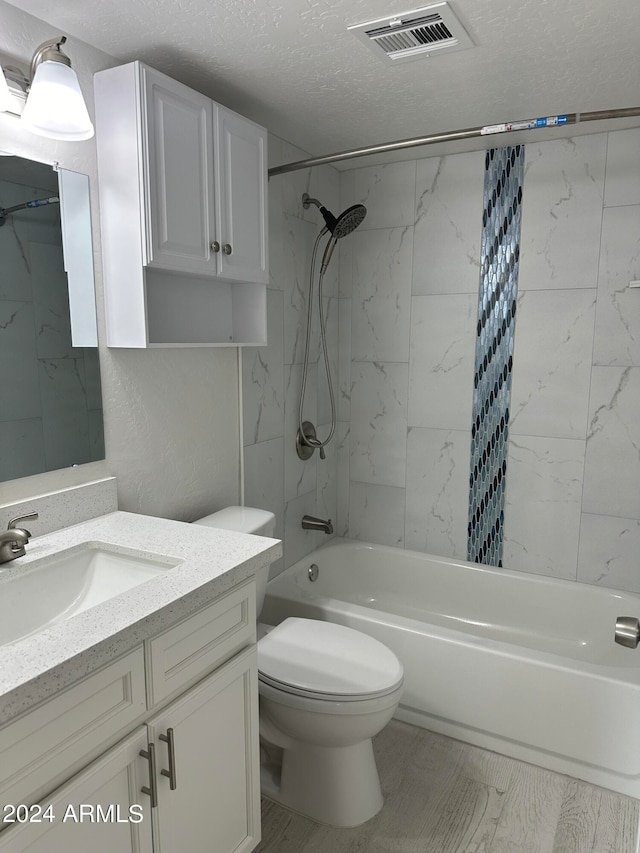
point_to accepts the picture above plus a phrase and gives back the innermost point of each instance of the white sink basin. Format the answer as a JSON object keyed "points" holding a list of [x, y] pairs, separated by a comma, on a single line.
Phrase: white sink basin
{"points": [[59, 587]]}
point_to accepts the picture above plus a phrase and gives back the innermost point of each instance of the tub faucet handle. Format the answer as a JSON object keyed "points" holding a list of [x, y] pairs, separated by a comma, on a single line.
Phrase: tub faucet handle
{"points": [[627, 631]]}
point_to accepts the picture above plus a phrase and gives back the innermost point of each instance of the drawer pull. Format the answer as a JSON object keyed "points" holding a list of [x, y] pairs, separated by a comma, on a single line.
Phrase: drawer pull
{"points": [[151, 789], [171, 772], [215, 246], [227, 249]]}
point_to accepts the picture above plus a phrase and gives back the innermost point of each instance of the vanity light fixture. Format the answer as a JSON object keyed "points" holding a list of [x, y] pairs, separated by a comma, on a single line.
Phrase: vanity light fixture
{"points": [[55, 107]]}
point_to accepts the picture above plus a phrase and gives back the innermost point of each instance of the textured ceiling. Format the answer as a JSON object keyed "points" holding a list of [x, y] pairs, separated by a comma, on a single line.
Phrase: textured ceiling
{"points": [[292, 66]]}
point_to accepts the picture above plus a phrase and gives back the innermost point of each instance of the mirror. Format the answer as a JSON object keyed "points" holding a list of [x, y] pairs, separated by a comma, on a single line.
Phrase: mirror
{"points": [[51, 409]]}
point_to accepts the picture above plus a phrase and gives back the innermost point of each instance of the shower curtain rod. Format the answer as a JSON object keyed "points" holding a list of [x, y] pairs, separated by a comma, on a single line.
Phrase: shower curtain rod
{"points": [[469, 133]]}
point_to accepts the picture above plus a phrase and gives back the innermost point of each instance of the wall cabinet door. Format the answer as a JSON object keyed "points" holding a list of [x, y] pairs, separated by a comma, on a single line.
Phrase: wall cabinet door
{"points": [[215, 801], [241, 178], [180, 176], [183, 204], [114, 783]]}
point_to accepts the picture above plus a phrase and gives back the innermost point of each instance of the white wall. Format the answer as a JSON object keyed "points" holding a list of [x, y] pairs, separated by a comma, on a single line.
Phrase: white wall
{"points": [[171, 416]]}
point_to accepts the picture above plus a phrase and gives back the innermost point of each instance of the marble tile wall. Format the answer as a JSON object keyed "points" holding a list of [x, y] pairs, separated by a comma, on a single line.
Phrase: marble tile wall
{"points": [[572, 497], [54, 418], [401, 323], [573, 502], [413, 267]]}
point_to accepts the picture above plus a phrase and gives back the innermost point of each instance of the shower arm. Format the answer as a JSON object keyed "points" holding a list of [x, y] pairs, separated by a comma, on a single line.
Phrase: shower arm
{"points": [[330, 220]]}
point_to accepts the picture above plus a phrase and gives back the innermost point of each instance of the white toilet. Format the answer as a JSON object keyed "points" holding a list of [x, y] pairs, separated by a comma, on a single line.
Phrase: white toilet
{"points": [[325, 691]]}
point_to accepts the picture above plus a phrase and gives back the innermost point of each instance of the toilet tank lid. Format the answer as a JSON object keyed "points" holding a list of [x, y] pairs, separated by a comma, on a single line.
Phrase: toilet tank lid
{"points": [[242, 519]]}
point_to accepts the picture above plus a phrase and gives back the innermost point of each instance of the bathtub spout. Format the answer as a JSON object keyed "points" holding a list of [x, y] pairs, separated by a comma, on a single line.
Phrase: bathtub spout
{"points": [[310, 522]]}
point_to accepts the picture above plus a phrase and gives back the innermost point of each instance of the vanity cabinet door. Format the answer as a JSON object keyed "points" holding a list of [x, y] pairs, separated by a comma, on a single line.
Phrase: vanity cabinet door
{"points": [[215, 801], [178, 145], [241, 178], [69, 820]]}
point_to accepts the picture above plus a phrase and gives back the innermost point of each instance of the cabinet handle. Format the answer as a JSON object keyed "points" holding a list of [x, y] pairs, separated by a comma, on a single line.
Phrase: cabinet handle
{"points": [[227, 248], [215, 246], [151, 789], [171, 772]]}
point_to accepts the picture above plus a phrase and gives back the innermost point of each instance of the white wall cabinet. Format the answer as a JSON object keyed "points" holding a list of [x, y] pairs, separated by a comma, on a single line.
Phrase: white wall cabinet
{"points": [[241, 177], [178, 170], [190, 767], [183, 203]]}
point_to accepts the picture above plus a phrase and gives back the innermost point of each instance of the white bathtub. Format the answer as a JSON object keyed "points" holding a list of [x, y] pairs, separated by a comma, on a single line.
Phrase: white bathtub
{"points": [[521, 664]]}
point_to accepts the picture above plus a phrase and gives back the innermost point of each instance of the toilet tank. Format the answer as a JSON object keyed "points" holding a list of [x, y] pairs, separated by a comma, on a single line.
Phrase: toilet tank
{"points": [[242, 519], [245, 519]]}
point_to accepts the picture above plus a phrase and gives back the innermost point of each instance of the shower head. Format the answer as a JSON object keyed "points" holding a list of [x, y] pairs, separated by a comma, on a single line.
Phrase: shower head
{"points": [[342, 225], [349, 220]]}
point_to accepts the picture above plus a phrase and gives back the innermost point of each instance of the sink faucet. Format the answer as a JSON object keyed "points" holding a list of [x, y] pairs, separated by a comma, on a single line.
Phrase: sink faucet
{"points": [[310, 522], [13, 539]]}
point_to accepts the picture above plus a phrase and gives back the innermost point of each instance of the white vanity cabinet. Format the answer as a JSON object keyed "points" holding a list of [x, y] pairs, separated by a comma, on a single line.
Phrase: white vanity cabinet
{"points": [[183, 204], [189, 760], [67, 820], [206, 747]]}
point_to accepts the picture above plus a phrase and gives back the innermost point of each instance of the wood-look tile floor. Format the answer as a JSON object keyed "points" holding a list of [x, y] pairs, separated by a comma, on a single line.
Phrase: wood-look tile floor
{"points": [[444, 796]]}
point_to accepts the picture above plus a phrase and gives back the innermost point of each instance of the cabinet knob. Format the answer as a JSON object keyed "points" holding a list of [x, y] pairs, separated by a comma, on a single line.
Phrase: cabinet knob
{"points": [[227, 248], [215, 246]]}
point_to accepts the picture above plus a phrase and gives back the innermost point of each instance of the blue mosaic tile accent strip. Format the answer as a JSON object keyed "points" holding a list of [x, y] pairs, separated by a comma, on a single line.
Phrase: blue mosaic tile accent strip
{"points": [[504, 172]]}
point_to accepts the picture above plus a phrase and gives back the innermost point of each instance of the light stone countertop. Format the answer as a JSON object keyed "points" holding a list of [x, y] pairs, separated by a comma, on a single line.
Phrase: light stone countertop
{"points": [[209, 562]]}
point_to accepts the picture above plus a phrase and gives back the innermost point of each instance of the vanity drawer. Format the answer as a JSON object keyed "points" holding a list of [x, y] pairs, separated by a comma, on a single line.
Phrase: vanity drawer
{"points": [[194, 647], [44, 746]]}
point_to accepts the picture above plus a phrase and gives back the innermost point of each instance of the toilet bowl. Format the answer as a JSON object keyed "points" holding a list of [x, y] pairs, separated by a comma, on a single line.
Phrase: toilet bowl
{"points": [[325, 691]]}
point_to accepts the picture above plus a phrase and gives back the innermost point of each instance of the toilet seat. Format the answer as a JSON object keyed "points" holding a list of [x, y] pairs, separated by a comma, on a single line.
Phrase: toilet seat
{"points": [[317, 696], [325, 661]]}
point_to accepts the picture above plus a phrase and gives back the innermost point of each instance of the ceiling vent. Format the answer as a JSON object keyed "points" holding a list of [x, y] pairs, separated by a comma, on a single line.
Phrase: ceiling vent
{"points": [[414, 35]]}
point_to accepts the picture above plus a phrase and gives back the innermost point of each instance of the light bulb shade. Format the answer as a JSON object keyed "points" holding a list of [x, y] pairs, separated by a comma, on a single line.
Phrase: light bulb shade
{"points": [[55, 107], [6, 98]]}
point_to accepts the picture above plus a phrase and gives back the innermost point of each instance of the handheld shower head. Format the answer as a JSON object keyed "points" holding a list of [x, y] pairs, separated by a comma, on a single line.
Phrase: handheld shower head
{"points": [[349, 220], [341, 225]]}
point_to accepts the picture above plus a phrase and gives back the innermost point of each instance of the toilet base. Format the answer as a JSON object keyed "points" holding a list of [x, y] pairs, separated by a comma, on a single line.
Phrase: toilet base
{"points": [[338, 786]]}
